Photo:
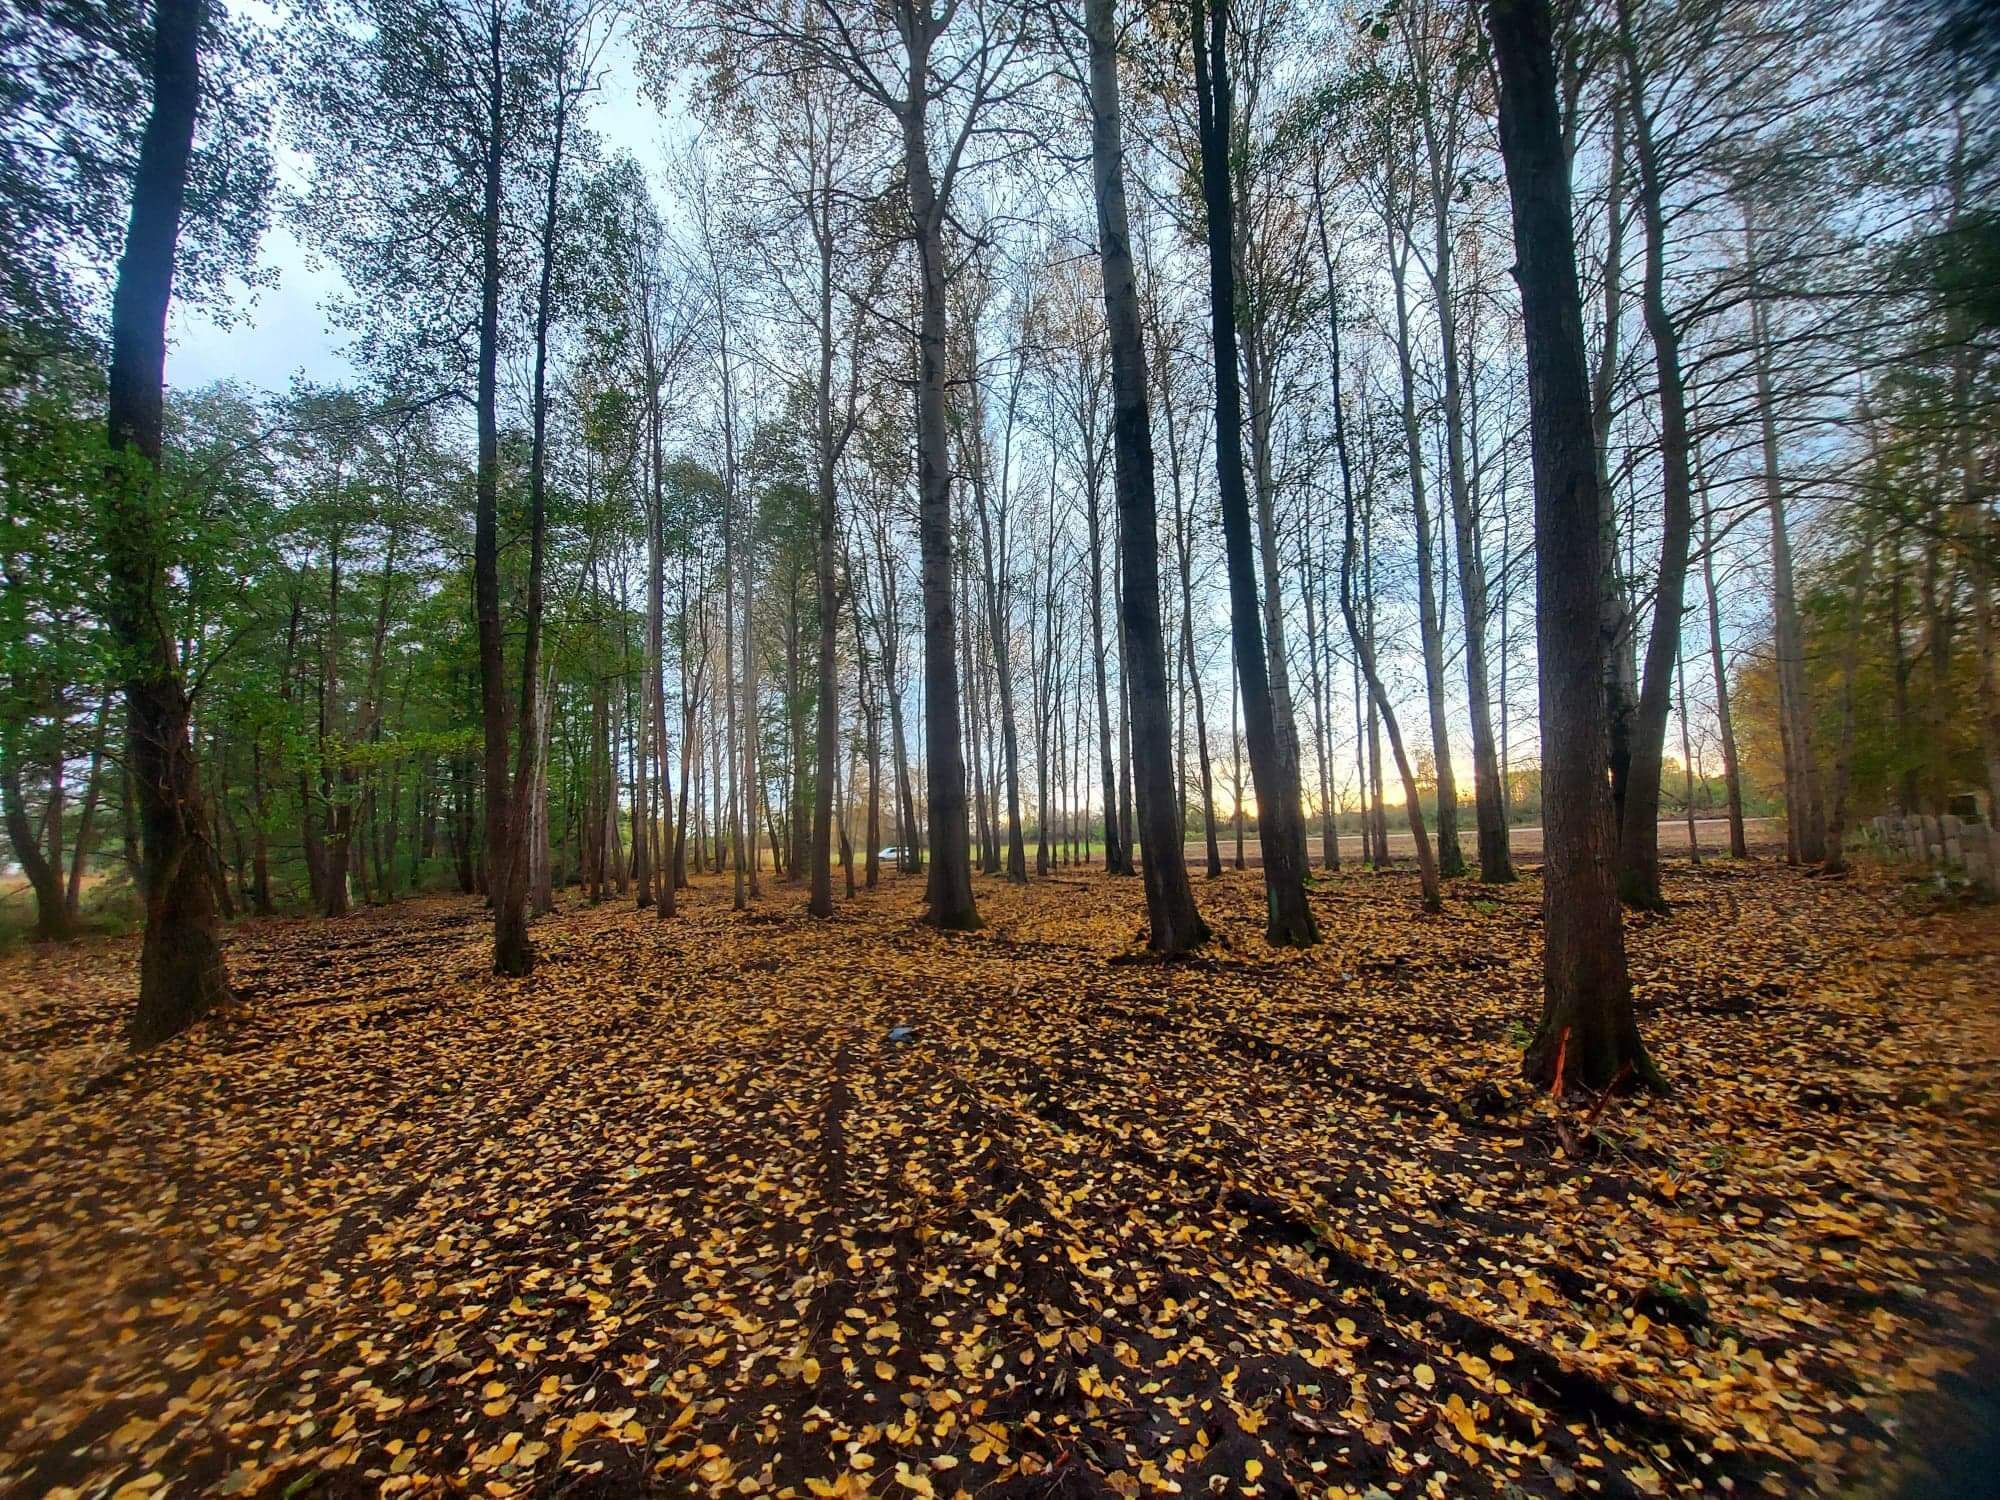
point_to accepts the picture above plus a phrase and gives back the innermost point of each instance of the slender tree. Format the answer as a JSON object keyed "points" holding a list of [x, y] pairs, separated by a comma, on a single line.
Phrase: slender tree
{"points": [[1288, 918], [1639, 835], [1175, 926]]}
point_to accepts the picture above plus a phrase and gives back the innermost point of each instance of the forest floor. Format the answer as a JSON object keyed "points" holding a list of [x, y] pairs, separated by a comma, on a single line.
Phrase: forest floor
{"points": [[747, 1204]]}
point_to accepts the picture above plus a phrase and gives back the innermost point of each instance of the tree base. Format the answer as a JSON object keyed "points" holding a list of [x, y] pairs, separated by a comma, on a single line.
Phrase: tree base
{"points": [[1185, 944], [181, 979], [1593, 1056], [1636, 893], [968, 921], [513, 954], [1288, 920]]}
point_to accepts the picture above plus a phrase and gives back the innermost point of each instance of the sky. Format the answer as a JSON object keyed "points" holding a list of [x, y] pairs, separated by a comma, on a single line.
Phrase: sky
{"points": [[284, 330]]}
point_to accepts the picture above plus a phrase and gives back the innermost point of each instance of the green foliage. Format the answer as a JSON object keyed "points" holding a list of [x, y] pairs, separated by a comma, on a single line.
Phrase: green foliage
{"points": [[73, 99]]}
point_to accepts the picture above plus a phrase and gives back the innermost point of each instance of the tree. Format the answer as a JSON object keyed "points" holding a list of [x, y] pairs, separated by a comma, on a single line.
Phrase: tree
{"points": [[1443, 51], [1363, 640], [818, 176], [424, 119], [1639, 834], [73, 99], [1280, 820], [1176, 927], [1587, 1031], [52, 650], [1081, 386], [181, 972]]}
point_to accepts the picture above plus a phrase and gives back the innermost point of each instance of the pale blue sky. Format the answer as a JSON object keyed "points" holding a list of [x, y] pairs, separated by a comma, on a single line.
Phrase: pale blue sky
{"points": [[285, 331]]}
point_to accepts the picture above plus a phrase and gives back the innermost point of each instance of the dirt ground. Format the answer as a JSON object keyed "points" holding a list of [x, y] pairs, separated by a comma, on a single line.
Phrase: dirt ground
{"points": [[745, 1204]]}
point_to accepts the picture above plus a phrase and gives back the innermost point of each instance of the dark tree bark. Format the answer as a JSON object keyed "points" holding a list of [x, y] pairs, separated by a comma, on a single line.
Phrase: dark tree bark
{"points": [[336, 784], [664, 901], [1850, 664], [511, 952], [909, 859], [1116, 859], [986, 842], [181, 972], [948, 900], [1587, 1031], [1621, 673], [1175, 926], [1280, 820], [871, 714], [1739, 846], [1639, 833], [797, 846], [826, 737], [52, 916]]}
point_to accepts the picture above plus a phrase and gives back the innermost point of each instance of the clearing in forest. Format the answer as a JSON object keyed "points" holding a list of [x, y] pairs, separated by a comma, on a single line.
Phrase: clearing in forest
{"points": [[748, 1204]]}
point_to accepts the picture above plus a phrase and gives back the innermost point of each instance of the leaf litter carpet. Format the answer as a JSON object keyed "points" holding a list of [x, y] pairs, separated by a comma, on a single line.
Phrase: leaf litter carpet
{"points": [[746, 1204]]}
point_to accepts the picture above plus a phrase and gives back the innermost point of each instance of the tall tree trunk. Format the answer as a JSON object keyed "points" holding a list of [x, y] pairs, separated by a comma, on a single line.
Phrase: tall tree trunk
{"points": [[1175, 926], [797, 846], [1496, 865], [1804, 811], [511, 953], [1739, 847], [1126, 838], [826, 737], [1280, 824], [1209, 831], [1587, 1031], [1116, 861], [541, 862], [989, 847], [1363, 716], [181, 972], [336, 782], [907, 861], [1850, 663], [1451, 861], [1639, 835], [871, 708], [641, 724], [1184, 550], [93, 788], [1236, 759], [1378, 819], [1363, 641], [1257, 361], [1687, 756], [948, 900], [664, 902], [1621, 677], [260, 838], [1329, 839], [598, 857], [994, 574]]}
